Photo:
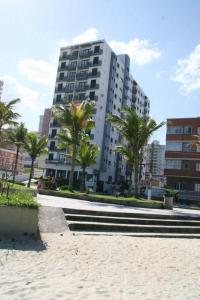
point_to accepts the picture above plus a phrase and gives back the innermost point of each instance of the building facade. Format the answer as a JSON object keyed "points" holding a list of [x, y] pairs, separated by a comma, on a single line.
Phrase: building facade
{"points": [[182, 167], [155, 164], [1, 88], [93, 71], [7, 161], [43, 129]]}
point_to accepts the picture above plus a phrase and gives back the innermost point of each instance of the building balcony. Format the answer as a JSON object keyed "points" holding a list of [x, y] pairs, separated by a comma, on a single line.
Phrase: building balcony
{"points": [[94, 87], [71, 56], [182, 155], [54, 124], [66, 161], [182, 173], [71, 67], [97, 52], [80, 76], [83, 54], [94, 75], [134, 90], [81, 88], [95, 64], [84, 65]]}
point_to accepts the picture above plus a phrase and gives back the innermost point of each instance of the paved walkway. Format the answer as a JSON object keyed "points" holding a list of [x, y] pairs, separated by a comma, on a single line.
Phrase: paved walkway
{"points": [[87, 205]]}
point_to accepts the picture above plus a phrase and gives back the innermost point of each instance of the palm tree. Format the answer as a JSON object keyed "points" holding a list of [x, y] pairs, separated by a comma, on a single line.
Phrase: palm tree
{"points": [[136, 131], [86, 156], [35, 146], [17, 137], [75, 119], [7, 115]]}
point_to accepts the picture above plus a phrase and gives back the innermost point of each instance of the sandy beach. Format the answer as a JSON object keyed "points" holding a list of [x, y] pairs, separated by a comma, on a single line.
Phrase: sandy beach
{"points": [[68, 266]]}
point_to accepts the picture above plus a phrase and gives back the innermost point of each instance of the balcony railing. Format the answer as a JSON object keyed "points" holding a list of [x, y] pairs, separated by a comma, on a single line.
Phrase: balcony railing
{"points": [[84, 65], [81, 88], [93, 75], [66, 161], [80, 76], [97, 63], [70, 56], [94, 87], [84, 54]]}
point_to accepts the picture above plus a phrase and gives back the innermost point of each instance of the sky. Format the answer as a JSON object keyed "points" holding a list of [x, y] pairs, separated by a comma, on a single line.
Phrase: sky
{"points": [[162, 38]]}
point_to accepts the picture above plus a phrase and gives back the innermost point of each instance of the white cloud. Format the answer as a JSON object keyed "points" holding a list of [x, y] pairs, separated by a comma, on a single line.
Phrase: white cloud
{"points": [[187, 71], [140, 51], [39, 71], [30, 100], [89, 35]]}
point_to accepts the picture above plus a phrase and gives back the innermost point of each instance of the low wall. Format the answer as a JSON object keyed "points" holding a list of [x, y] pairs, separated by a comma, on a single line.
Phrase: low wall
{"points": [[18, 220]]}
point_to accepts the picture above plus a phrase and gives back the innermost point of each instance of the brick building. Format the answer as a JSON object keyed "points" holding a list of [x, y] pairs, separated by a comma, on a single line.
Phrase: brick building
{"points": [[182, 156], [7, 161]]}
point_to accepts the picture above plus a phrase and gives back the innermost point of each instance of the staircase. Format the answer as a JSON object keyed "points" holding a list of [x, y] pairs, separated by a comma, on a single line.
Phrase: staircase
{"points": [[134, 224]]}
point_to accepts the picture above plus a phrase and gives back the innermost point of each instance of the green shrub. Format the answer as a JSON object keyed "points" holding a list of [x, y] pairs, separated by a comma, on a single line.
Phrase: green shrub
{"points": [[20, 199], [63, 188]]}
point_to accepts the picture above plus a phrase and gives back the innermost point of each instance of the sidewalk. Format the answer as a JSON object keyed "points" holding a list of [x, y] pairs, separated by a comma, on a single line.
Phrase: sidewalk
{"points": [[88, 205]]}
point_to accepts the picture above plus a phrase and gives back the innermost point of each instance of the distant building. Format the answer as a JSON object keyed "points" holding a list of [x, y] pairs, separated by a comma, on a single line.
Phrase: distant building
{"points": [[43, 129], [182, 155], [155, 164], [1, 88], [93, 71], [7, 161]]}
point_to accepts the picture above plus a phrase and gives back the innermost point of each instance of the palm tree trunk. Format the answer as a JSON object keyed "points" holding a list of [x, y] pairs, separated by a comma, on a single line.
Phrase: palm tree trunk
{"points": [[71, 177], [31, 173], [82, 187], [136, 178], [16, 161]]}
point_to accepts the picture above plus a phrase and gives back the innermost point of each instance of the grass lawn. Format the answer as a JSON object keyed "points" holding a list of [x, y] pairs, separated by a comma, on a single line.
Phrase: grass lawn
{"points": [[20, 199]]}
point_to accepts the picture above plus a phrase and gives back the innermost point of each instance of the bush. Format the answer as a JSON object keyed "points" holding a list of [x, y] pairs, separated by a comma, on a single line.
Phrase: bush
{"points": [[63, 188], [20, 199]]}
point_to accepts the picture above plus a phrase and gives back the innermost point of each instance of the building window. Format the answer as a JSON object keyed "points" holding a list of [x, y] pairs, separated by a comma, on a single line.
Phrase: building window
{"points": [[186, 147], [58, 98], [92, 95], [174, 129], [52, 146], [197, 187], [198, 167], [61, 76], [95, 60], [185, 165], [96, 49], [63, 65], [187, 129], [198, 130], [93, 84], [50, 156], [179, 186], [60, 86], [173, 164]]}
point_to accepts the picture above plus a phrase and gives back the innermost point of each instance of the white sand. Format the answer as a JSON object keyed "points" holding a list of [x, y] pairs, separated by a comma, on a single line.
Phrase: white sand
{"points": [[100, 267]]}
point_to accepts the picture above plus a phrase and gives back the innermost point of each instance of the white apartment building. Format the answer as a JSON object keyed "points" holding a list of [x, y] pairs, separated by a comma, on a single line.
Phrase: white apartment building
{"points": [[93, 71], [1, 88], [155, 163]]}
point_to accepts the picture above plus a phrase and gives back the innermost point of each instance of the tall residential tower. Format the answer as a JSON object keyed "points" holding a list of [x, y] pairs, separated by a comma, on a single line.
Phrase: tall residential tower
{"points": [[93, 71]]}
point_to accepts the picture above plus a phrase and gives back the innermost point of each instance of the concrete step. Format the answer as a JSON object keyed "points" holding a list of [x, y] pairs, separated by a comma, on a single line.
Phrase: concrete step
{"points": [[112, 227], [123, 220], [140, 234], [145, 215]]}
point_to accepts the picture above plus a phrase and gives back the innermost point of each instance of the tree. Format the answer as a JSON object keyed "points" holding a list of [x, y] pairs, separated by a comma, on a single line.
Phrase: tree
{"points": [[135, 131], [35, 146], [7, 115], [86, 156], [17, 137], [75, 119]]}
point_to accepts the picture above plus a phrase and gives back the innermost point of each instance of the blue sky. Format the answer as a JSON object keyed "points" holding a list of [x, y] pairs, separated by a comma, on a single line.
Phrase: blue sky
{"points": [[162, 38]]}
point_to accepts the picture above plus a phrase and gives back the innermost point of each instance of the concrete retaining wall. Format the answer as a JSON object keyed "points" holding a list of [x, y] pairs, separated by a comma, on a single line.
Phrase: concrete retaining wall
{"points": [[18, 220]]}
